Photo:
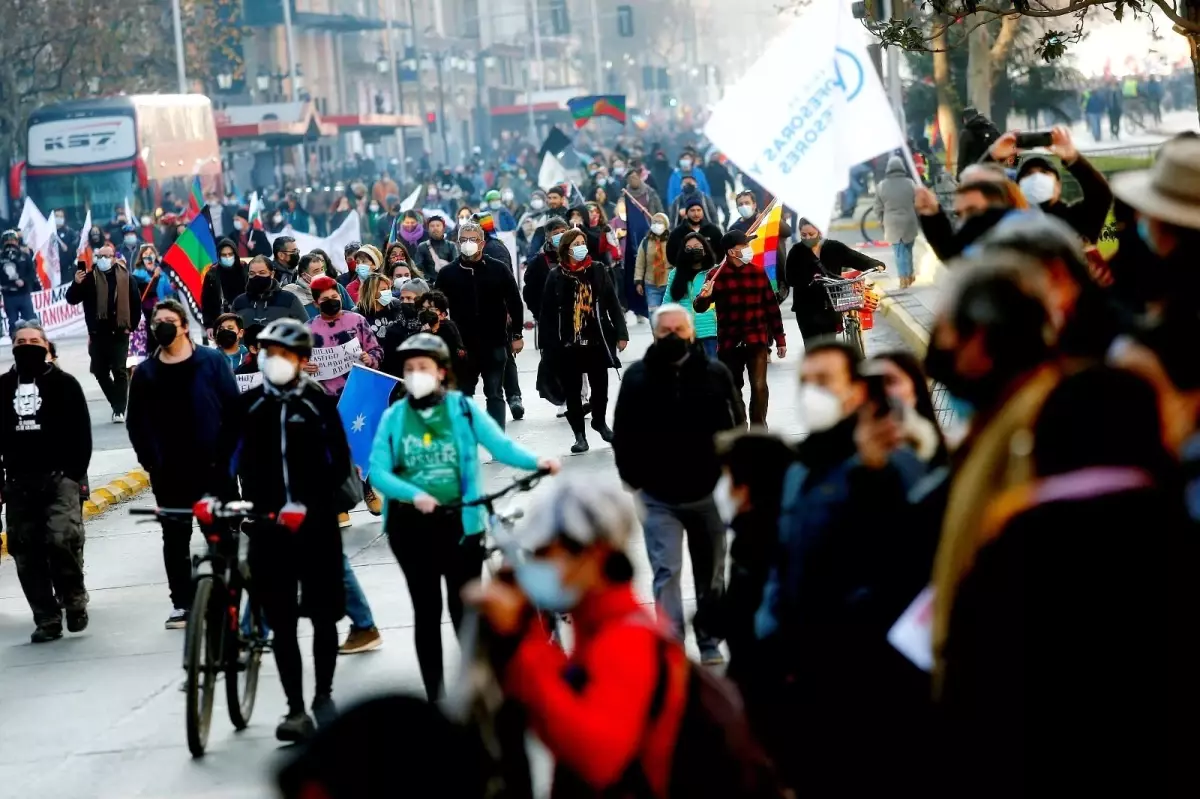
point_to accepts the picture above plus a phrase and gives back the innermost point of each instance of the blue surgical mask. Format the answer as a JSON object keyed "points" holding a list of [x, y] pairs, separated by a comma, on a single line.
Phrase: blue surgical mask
{"points": [[541, 580], [385, 297], [556, 239], [579, 252], [363, 271], [130, 241], [227, 261]]}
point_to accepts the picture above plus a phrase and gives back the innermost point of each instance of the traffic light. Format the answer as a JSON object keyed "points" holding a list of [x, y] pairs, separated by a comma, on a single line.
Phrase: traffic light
{"points": [[431, 121], [560, 23], [625, 21]]}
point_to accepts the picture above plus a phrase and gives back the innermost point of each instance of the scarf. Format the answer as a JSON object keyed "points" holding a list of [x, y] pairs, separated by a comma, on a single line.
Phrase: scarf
{"points": [[582, 308], [413, 237], [122, 276], [301, 290], [656, 250]]}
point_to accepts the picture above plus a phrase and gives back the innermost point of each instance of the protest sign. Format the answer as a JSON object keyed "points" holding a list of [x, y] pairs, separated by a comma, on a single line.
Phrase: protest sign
{"points": [[334, 362], [247, 382]]}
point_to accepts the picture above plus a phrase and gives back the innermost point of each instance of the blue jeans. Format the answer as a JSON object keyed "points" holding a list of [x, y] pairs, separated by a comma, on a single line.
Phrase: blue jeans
{"points": [[18, 305], [1094, 121], [654, 295], [710, 347], [904, 260], [356, 601]]}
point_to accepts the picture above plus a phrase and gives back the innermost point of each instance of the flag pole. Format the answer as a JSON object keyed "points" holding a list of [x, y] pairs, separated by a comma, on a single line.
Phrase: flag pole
{"points": [[640, 207]]}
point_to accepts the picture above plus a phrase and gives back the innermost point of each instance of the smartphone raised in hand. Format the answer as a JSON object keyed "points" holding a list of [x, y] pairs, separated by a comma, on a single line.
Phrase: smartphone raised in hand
{"points": [[1027, 141]]}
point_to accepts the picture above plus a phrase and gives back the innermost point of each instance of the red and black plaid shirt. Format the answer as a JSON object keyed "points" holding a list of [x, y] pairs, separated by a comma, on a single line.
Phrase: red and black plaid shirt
{"points": [[747, 311]]}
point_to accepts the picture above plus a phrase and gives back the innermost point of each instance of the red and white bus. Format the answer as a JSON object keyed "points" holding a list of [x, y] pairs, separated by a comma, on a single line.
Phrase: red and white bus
{"points": [[93, 154]]}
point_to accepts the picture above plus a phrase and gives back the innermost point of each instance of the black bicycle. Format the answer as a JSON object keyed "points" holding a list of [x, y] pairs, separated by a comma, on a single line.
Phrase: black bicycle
{"points": [[225, 629]]}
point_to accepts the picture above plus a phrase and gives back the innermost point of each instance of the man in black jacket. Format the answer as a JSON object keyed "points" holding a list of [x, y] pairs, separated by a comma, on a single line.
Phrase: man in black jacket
{"points": [[695, 221], [176, 403], [485, 303], [720, 183], [45, 448], [286, 254], [18, 280], [436, 251], [672, 403], [975, 138], [112, 308], [264, 300]]}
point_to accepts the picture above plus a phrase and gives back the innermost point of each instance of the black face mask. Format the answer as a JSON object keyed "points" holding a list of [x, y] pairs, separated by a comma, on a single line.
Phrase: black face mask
{"points": [[165, 333], [975, 227], [688, 188], [693, 256], [330, 307], [258, 284], [226, 339], [672, 348], [30, 360]]}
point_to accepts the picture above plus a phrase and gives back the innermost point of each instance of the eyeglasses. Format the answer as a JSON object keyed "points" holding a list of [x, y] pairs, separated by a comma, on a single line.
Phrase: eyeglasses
{"points": [[289, 252], [465, 239]]}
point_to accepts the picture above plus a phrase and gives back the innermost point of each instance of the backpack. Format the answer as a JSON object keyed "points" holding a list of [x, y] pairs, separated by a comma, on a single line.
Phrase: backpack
{"points": [[716, 754]]}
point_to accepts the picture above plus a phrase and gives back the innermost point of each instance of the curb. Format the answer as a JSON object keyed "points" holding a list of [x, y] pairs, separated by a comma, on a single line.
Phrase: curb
{"points": [[841, 226], [105, 497], [915, 336]]}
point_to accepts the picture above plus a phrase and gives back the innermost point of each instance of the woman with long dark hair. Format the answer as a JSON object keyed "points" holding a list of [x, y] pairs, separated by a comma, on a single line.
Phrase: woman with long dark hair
{"points": [[686, 281], [582, 329]]}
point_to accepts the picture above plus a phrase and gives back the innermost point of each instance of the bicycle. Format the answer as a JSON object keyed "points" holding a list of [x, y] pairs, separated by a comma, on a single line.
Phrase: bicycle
{"points": [[868, 221], [217, 642], [848, 296]]}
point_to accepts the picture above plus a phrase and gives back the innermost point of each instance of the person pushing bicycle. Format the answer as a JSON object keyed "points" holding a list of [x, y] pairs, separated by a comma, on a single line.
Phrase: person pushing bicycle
{"points": [[285, 442], [425, 462]]}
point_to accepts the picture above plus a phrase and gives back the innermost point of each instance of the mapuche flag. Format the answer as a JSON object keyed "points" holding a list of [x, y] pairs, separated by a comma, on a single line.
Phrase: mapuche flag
{"points": [[597, 105], [192, 254]]}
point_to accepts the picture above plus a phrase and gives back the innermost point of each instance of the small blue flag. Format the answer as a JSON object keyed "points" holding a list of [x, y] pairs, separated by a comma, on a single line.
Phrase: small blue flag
{"points": [[364, 399]]}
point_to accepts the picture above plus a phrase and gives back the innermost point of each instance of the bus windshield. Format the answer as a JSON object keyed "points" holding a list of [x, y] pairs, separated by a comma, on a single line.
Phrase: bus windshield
{"points": [[75, 192]]}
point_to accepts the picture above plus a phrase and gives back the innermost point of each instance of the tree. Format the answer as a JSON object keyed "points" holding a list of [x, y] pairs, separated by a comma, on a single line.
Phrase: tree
{"points": [[956, 21]]}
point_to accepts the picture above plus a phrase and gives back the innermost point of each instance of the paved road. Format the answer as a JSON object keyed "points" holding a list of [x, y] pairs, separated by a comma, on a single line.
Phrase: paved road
{"points": [[100, 714]]}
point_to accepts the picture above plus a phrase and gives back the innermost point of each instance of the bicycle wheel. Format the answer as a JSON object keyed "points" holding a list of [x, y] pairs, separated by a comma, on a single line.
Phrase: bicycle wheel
{"points": [[244, 653], [852, 331], [201, 671], [865, 225]]}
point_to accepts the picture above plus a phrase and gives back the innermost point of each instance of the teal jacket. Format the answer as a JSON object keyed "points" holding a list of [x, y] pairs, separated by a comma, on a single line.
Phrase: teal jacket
{"points": [[473, 428], [706, 323]]}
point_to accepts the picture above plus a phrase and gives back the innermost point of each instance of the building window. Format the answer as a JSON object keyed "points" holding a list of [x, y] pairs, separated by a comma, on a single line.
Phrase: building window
{"points": [[470, 19]]}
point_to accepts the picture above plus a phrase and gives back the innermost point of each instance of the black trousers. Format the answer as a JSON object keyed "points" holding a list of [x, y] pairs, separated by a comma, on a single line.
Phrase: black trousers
{"points": [[108, 352], [572, 363], [752, 361], [45, 537], [488, 363], [176, 489], [512, 385], [430, 548]]}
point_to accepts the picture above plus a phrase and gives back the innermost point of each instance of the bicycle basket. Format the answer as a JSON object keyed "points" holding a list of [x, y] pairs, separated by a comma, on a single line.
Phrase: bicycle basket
{"points": [[845, 296]]}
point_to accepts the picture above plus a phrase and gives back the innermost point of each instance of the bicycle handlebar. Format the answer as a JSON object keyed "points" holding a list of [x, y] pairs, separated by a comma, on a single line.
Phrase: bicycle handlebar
{"points": [[238, 509], [525, 483]]}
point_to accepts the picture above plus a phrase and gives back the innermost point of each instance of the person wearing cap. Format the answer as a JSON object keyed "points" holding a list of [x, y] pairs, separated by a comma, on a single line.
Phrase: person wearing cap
{"points": [[505, 221], [696, 220], [336, 326], [748, 212], [748, 319], [129, 243], [1166, 214], [686, 198], [408, 296], [283, 440], [426, 455], [486, 304], [1041, 182], [437, 250], [605, 710], [895, 204], [689, 167], [367, 261], [18, 280]]}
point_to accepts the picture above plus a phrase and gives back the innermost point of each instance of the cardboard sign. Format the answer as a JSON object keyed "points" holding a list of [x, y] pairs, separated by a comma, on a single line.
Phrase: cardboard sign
{"points": [[336, 361], [247, 382]]}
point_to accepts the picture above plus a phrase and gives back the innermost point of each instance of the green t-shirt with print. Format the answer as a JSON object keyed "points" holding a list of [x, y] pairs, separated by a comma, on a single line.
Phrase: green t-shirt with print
{"points": [[430, 453]]}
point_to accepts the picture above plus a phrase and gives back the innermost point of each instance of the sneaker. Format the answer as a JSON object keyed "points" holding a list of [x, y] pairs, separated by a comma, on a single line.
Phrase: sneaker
{"points": [[517, 409], [374, 504], [77, 620], [324, 710], [118, 418], [177, 620], [711, 656], [344, 520], [361, 641], [295, 727], [581, 444], [46, 633], [601, 427]]}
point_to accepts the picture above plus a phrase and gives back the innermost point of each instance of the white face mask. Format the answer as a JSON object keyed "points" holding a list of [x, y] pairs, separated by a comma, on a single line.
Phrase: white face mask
{"points": [[495, 205], [658, 228], [537, 203], [420, 384], [104, 264], [746, 211], [277, 370], [470, 248], [1038, 187], [277, 218], [724, 499], [59, 221], [820, 408], [746, 254]]}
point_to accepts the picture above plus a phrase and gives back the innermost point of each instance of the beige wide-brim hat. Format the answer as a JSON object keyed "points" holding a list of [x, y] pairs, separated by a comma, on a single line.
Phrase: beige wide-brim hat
{"points": [[1169, 190]]}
